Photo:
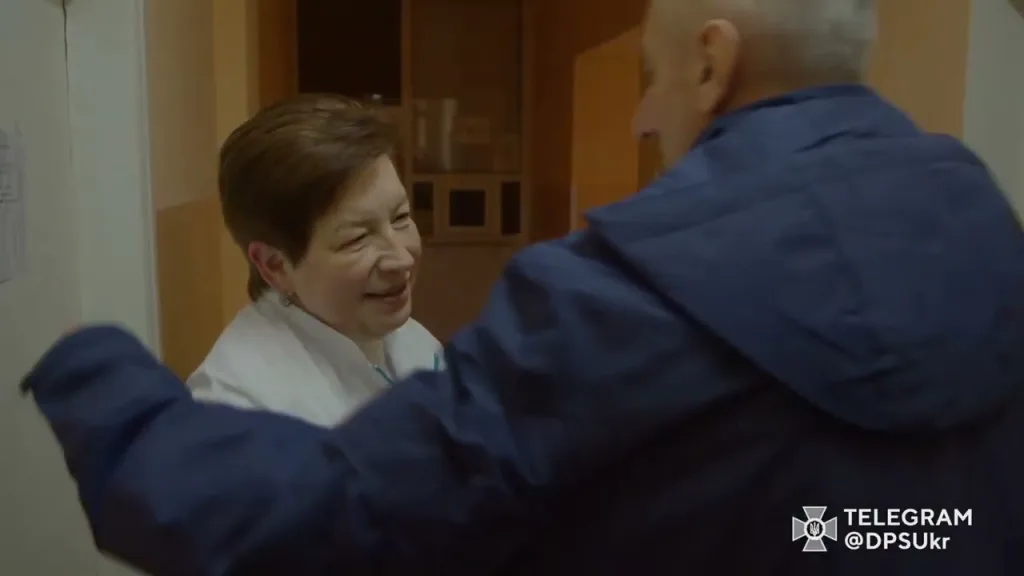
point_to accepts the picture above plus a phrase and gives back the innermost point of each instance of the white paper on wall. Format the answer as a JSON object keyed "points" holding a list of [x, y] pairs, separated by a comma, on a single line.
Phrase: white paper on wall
{"points": [[13, 250]]}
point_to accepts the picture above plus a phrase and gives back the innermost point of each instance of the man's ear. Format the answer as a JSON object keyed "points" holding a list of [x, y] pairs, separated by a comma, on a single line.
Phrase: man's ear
{"points": [[719, 49], [273, 266]]}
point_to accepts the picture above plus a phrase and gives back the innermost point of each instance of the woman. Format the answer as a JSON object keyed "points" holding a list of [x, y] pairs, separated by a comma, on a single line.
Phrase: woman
{"points": [[309, 192]]}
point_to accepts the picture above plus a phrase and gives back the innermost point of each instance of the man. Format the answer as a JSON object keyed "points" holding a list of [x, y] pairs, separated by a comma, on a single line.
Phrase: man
{"points": [[817, 305]]}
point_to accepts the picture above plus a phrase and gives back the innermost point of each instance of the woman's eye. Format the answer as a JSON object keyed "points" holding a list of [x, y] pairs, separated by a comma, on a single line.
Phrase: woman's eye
{"points": [[401, 218], [352, 242]]}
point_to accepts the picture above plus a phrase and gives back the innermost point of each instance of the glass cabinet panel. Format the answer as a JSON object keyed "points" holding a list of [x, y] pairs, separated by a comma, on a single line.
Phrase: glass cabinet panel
{"points": [[466, 86]]}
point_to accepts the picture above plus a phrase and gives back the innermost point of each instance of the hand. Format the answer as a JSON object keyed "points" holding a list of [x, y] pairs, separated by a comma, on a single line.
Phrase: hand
{"points": [[25, 385]]}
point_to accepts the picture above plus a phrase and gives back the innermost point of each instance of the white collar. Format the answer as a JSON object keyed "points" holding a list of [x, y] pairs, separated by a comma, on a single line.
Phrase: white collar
{"points": [[327, 339], [338, 349]]}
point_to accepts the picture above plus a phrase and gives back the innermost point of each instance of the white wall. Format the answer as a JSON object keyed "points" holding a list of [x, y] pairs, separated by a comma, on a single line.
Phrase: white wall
{"points": [[41, 531], [86, 192], [994, 102], [110, 155]]}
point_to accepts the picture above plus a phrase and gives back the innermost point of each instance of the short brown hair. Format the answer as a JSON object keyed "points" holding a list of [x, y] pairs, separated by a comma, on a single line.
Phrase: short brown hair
{"points": [[283, 170]]}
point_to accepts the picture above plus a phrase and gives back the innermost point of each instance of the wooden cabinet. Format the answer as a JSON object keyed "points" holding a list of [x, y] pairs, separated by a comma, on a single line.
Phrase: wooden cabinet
{"points": [[351, 47], [465, 91], [452, 75]]}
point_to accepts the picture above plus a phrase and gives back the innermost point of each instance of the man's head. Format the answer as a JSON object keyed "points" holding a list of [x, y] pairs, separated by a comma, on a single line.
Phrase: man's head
{"points": [[709, 57]]}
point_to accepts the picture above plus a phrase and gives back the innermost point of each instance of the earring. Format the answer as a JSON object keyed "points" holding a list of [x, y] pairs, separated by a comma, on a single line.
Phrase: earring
{"points": [[287, 300]]}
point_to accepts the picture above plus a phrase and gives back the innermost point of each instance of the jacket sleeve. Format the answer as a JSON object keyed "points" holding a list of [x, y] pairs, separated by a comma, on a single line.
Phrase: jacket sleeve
{"points": [[447, 472]]}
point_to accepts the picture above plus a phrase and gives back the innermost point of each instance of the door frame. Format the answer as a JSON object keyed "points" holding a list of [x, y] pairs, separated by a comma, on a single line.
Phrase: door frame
{"points": [[109, 115]]}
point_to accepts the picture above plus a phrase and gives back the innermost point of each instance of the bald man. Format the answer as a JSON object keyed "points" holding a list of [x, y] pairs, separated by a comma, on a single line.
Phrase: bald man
{"points": [[798, 352]]}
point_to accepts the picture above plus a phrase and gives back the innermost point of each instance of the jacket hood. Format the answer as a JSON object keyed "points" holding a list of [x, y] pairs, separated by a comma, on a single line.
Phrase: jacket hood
{"points": [[875, 270]]}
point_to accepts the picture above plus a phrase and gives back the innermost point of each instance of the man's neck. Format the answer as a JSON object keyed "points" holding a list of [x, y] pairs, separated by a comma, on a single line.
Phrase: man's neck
{"points": [[754, 88]]}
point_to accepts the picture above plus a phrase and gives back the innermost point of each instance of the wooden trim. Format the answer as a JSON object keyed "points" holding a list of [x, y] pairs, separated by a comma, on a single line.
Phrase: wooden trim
{"points": [[278, 50], [408, 118], [529, 55]]}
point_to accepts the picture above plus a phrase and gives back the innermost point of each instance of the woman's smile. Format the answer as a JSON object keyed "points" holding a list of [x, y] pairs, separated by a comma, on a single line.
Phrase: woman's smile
{"points": [[395, 296]]}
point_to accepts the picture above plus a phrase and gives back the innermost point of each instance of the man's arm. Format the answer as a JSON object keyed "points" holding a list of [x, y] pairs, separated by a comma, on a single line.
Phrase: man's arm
{"points": [[446, 472]]}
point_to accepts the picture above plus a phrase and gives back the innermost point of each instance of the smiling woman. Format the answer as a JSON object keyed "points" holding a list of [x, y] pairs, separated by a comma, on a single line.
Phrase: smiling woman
{"points": [[309, 193]]}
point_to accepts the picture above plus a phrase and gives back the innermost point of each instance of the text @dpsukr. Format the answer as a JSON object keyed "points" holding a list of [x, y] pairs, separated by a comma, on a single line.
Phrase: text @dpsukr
{"points": [[880, 529], [901, 529]]}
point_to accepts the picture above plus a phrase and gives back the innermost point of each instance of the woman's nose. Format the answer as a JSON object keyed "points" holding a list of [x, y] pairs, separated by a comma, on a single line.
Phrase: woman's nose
{"points": [[397, 258]]}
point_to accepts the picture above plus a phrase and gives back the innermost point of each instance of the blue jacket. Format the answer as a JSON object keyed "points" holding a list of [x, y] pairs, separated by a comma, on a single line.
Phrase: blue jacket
{"points": [[820, 305]]}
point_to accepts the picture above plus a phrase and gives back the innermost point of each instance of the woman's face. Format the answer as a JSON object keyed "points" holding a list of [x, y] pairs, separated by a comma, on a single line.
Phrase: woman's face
{"points": [[358, 273]]}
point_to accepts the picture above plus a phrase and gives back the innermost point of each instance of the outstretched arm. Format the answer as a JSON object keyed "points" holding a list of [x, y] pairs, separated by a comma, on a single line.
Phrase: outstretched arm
{"points": [[445, 473]]}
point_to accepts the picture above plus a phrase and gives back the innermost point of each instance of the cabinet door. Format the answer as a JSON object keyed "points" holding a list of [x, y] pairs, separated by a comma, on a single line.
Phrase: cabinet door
{"points": [[467, 86]]}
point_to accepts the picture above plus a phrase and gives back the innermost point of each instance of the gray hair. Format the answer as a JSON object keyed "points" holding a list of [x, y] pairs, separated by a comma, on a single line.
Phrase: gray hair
{"points": [[823, 39]]}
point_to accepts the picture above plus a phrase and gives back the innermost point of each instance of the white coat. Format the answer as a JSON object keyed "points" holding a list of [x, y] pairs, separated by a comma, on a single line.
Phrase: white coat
{"points": [[281, 359]]}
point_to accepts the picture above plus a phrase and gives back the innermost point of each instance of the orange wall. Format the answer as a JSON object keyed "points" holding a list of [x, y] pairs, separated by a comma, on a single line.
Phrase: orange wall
{"points": [[920, 60], [182, 110], [202, 83], [180, 72], [236, 89]]}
